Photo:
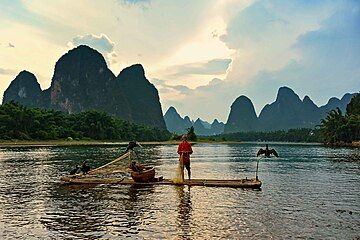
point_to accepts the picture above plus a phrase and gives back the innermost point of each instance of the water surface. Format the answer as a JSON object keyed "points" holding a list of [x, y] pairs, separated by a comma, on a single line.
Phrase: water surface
{"points": [[309, 192]]}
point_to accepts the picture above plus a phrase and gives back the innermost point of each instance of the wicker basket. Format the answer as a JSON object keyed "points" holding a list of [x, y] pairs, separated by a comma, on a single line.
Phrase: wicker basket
{"points": [[144, 176]]}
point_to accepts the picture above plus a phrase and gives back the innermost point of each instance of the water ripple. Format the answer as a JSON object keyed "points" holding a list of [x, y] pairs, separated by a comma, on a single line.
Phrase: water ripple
{"points": [[309, 192]]}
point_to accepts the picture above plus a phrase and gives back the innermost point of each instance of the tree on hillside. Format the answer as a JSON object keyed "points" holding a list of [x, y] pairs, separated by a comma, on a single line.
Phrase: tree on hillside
{"points": [[337, 128], [191, 134], [332, 126], [353, 108], [20, 122]]}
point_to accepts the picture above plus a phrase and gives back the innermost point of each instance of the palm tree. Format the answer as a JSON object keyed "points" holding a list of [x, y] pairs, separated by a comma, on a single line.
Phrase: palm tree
{"points": [[332, 127]]}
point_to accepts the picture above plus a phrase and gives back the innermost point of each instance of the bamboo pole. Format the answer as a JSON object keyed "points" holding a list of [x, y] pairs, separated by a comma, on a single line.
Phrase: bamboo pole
{"points": [[257, 169]]}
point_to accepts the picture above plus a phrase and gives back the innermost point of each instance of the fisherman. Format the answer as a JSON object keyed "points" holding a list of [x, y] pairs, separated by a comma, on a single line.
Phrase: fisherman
{"points": [[267, 152], [184, 150], [136, 167]]}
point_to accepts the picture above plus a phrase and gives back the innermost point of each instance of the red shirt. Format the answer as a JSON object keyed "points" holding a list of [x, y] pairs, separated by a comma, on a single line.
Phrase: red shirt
{"points": [[186, 150]]}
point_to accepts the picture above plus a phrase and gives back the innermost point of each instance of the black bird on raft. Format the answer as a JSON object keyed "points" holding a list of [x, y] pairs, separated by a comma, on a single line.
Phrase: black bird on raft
{"points": [[132, 145], [267, 152], [75, 170], [85, 168]]}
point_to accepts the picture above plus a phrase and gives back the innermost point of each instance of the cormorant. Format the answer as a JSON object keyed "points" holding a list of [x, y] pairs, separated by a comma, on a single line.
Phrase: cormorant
{"points": [[267, 152], [85, 168]]}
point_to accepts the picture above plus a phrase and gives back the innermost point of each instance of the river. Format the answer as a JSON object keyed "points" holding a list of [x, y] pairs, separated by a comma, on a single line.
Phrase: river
{"points": [[310, 191]]}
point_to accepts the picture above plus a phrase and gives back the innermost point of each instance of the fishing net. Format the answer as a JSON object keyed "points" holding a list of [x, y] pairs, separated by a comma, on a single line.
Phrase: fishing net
{"points": [[113, 169], [179, 175]]}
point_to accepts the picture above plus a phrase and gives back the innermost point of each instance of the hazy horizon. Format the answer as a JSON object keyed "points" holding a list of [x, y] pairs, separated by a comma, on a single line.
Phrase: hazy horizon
{"points": [[197, 53]]}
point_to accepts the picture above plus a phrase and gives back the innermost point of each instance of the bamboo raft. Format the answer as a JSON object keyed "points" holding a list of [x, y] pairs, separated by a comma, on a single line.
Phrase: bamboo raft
{"points": [[240, 183], [109, 174]]}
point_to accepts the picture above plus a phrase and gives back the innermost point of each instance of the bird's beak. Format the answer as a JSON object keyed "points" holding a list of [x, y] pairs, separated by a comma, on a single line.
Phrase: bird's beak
{"points": [[139, 144]]}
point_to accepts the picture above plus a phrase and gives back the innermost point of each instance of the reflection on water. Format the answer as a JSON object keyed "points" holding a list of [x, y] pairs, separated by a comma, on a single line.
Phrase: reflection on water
{"points": [[308, 192], [184, 211]]}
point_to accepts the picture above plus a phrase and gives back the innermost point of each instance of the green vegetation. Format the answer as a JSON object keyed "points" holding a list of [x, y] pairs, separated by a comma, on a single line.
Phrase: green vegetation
{"points": [[337, 128], [20, 122], [291, 135], [23, 123], [190, 134], [334, 129]]}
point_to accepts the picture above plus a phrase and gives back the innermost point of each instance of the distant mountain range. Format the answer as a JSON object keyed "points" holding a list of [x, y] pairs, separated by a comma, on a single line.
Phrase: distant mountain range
{"points": [[176, 124], [288, 111], [82, 81]]}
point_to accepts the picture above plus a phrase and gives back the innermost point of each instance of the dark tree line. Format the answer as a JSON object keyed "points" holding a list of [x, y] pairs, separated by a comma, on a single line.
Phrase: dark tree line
{"points": [[337, 128], [20, 122]]}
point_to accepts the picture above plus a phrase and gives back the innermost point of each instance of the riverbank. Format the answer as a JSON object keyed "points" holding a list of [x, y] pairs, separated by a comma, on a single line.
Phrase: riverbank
{"points": [[62, 142], [355, 144], [51, 143]]}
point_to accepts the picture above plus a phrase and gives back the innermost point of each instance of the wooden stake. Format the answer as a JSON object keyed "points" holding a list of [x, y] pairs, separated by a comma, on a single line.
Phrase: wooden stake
{"points": [[257, 169]]}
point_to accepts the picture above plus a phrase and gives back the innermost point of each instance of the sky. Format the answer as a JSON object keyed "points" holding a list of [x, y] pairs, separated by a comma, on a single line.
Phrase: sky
{"points": [[200, 54]]}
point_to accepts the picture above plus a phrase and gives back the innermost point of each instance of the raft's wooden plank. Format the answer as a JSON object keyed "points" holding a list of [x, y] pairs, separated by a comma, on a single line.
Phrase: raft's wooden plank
{"points": [[239, 183]]}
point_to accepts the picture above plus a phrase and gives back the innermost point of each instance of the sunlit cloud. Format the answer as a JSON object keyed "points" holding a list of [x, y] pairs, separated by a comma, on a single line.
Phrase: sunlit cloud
{"points": [[5, 71], [101, 42], [206, 53], [212, 67]]}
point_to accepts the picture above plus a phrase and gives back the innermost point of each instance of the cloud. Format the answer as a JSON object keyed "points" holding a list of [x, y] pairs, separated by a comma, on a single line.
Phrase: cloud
{"points": [[251, 25], [311, 47], [133, 2], [212, 67], [166, 88], [211, 86], [328, 63], [17, 11], [100, 42], [181, 89], [5, 71], [263, 34], [217, 93]]}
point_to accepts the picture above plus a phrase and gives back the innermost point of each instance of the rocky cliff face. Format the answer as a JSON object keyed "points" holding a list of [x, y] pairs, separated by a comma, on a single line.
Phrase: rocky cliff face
{"points": [[24, 89], [286, 112], [188, 122], [310, 112], [82, 81], [200, 129], [217, 127], [141, 96], [176, 124], [242, 117], [334, 102]]}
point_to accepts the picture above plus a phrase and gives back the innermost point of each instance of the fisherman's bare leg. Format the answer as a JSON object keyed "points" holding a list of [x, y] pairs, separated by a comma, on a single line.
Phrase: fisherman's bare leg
{"points": [[182, 172], [188, 170]]}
